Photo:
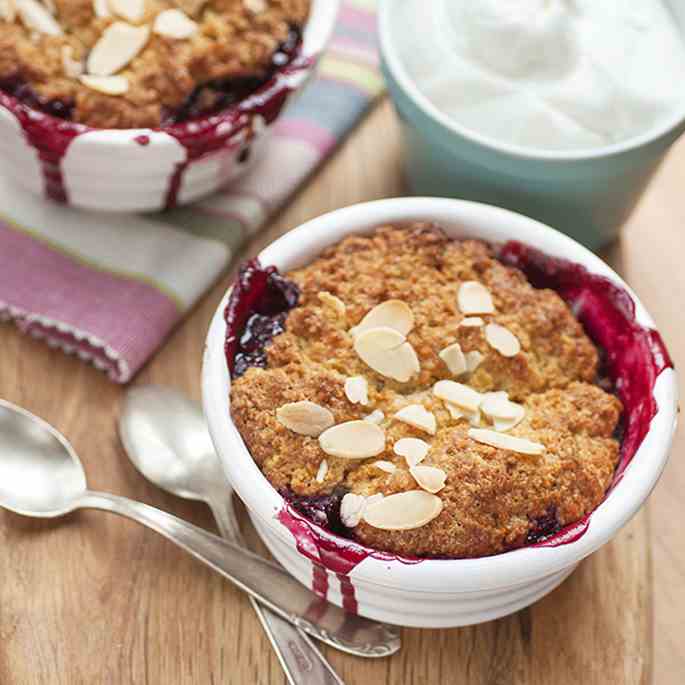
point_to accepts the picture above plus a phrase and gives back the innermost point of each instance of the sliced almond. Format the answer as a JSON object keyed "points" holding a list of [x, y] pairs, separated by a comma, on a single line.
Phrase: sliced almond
{"points": [[473, 417], [351, 508], [8, 10], [305, 418], [108, 85], [472, 322], [403, 511], [333, 302], [429, 478], [497, 405], [413, 450], [322, 472], [256, 6], [393, 314], [36, 17], [101, 9], [473, 360], [174, 24], [418, 416], [131, 10], [454, 359], [376, 416], [504, 425], [357, 390], [353, 440], [502, 339], [505, 442], [71, 67], [457, 393], [118, 45], [388, 353], [386, 466], [475, 298]]}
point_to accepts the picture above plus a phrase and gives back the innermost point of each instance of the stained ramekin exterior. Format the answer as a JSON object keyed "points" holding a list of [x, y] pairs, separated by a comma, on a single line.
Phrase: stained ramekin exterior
{"points": [[586, 194], [110, 170], [434, 593]]}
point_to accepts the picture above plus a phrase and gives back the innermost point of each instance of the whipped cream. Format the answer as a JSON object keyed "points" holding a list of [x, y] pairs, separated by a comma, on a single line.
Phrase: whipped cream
{"points": [[551, 74]]}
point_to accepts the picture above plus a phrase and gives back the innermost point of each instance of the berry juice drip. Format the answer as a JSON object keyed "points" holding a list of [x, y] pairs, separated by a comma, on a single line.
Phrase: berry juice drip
{"points": [[49, 129], [48, 134], [635, 355]]}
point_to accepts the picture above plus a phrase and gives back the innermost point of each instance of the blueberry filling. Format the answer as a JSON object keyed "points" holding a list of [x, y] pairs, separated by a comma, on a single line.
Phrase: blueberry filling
{"points": [[543, 526], [256, 312], [62, 109], [324, 510]]}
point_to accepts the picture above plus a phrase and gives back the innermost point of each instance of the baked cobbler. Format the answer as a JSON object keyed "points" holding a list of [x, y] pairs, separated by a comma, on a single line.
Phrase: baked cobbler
{"points": [[414, 393], [143, 63]]}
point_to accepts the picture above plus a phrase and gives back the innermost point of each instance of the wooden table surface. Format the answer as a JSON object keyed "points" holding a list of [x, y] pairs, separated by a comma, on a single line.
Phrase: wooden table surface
{"points": [[98, 599]]}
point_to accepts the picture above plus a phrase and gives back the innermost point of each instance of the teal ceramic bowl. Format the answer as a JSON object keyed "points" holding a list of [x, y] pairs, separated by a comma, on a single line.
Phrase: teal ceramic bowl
{"points": [[586, 194]]}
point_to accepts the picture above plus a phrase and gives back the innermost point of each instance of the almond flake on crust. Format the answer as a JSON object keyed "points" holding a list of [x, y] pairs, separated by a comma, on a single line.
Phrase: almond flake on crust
{"points": [[403, 510], [502, 340], [8, 10], [108, 85], [393, 314], [506, 442], [118, 45], [473, 360], [475, 298], [472, 322], [353, 440], [353, 506], [387, 352], [174, 24], [417, 416], [429, 478], [386, 466], [376, 416], [322, 472], [71, 67], [414, 450], [454, 359], [256, 6], [131, 10], [357, 390], [35, 16], [101, 9], [305, 418], [457, 393]]}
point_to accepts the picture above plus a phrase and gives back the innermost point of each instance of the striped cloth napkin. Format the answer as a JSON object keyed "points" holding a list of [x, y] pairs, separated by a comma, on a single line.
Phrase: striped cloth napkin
{"points": [[110, 288]]}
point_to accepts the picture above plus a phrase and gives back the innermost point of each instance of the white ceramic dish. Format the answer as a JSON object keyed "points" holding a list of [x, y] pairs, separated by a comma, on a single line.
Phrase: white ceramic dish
{"points": [[111, 170], [433, 593]]}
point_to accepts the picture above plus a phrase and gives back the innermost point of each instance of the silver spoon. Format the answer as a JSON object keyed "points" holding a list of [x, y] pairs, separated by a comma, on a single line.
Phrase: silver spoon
{"points": [[41, 476], [167, 440]]}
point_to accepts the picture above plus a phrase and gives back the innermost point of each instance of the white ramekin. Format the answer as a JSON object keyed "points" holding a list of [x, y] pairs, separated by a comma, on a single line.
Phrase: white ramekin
{"points": [[110, 170], [434, 593]]}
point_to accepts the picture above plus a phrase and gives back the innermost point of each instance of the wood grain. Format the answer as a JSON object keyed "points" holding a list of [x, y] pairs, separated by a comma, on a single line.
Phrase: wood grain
{"points": [[97, 599]]}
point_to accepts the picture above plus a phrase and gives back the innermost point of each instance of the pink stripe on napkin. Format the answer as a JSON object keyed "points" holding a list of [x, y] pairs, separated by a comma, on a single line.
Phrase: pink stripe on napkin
{"points": [[129, 314]]}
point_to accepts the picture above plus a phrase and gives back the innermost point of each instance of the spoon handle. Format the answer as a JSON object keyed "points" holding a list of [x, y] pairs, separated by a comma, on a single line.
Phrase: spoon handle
{"points": [[302, 662], [262, 579]]}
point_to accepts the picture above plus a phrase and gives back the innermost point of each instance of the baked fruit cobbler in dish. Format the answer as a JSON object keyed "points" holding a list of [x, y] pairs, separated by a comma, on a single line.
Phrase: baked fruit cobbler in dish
{"points": [[416, 394], [143, 63]]}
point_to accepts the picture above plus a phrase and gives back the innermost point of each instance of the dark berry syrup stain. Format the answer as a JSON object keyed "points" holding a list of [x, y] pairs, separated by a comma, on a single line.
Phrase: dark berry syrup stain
{"points": [[633, 356], [199, 129]]}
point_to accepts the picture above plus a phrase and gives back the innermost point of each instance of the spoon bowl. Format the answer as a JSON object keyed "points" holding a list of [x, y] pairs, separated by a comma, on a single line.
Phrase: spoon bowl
{"points": [[162, 422], [40, 474]]}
